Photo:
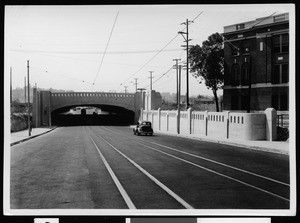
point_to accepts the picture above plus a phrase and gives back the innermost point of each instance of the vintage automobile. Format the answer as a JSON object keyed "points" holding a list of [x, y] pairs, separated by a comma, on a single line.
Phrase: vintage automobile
{"points": [[143, 127]]}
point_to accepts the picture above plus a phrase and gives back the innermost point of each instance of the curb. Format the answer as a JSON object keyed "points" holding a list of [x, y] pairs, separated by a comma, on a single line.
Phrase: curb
{"points": [[258, 148], [31, 137]]}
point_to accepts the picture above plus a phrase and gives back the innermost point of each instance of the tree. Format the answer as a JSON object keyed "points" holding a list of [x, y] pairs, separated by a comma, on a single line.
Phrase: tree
{"points": [[207, 63]]}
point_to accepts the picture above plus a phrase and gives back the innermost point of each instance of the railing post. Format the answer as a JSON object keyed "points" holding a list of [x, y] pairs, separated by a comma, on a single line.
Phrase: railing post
{"points": [[159, 119], [167, 117], [189, 117], [271, 128], [226, 114], [178, 121], [206, 121]]}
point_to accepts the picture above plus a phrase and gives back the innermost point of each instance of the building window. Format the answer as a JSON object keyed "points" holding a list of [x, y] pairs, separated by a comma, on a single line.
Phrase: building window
{"points": [[274, 101], [261, 46], [240, 26], [235, 51], [285, 43], [284, 73], [283, 102], [280, 102], [234, 102], [276, 75], [245, 48], [245, 74], [281, 43], [235, 75], [280, 74], [245, 103]]}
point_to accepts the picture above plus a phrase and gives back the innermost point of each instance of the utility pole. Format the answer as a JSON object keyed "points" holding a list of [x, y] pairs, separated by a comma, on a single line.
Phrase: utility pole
{"points": [[151, 80], [25, 90], [178, 100], [36, 106], [176, 78], [135, 83], [187, 58], [10, 85], [28, 87]]}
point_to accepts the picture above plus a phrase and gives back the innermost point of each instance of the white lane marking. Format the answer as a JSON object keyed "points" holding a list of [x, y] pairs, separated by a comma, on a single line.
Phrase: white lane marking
{"points": [[165, 188], [216, 162], [115, 179], [215, 172]]}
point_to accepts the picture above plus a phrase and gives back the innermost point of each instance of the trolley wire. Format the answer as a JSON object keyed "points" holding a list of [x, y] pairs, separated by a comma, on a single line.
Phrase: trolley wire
{"points": [[105, 49]]}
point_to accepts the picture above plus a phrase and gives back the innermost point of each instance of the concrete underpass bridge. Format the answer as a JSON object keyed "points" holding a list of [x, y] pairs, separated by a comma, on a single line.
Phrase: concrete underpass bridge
{"points": [[47, 104]]}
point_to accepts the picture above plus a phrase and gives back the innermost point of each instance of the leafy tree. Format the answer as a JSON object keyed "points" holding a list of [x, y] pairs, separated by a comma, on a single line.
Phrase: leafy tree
{"points": [[207, 63]]}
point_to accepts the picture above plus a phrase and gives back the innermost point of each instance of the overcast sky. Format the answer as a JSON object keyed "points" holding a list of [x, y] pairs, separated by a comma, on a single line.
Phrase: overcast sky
{"points": [[72, 47]]}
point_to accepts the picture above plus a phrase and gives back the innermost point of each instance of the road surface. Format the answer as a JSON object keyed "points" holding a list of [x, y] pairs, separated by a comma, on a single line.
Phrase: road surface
{"points": [[107, 167]]}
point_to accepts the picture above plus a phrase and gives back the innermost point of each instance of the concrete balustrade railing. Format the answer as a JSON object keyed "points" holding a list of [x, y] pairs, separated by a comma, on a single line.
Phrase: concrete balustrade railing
{"points": [[84, 94], [222, 125]]}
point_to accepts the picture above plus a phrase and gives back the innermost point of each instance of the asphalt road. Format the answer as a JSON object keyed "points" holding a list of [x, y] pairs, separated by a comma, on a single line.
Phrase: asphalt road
{"points": [[107, 167]]}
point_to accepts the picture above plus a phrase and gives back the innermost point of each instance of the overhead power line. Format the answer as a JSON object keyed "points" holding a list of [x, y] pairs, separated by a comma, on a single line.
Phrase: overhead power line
{"points": [[150, 59], [161, 76], [106, 48], [92, 52], [158, 52], [67, 77]]}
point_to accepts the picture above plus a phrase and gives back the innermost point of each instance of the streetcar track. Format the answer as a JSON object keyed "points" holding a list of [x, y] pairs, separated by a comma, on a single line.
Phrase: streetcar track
{"points": [[210, 170], [215, 172], [151, 177], [213, 161], [121, 189], [221, 164]]}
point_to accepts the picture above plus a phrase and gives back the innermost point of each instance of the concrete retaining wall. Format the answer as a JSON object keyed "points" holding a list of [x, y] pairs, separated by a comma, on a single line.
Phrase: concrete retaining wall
{"points": [[221, 125]]}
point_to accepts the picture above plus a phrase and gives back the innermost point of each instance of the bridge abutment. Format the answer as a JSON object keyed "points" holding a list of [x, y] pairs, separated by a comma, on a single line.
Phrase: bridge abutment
{"points": [[41, 108]]}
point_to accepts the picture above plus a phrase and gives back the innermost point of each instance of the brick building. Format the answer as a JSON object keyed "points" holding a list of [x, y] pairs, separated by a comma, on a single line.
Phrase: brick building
{"points": [[257, 51]]}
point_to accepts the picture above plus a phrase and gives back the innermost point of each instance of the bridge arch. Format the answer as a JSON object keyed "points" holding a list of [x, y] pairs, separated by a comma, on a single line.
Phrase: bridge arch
{"points": [[108, 115], [73, 98]]}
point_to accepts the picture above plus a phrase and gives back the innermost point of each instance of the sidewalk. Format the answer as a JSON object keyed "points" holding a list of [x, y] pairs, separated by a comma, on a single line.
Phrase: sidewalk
{"points": [[280, 147], [22, 136]]}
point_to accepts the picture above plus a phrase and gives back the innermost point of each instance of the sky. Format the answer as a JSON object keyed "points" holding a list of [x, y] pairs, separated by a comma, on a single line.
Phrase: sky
{"points": [[104, 48]]}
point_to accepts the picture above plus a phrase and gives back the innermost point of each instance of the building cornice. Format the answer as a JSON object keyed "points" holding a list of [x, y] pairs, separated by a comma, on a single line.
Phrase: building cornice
{"points": [[260, 85], [242, 31]]}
